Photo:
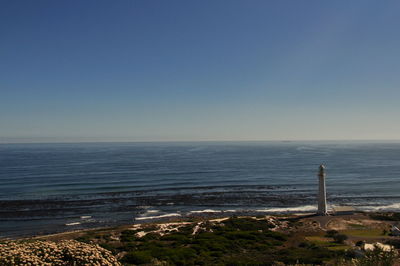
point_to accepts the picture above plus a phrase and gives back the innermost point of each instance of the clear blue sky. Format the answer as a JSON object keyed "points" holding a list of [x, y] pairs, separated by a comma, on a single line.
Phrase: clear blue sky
{"points": [[199, 70]]}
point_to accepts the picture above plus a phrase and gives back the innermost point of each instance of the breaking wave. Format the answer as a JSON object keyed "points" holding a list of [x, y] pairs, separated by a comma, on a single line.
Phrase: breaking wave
{"points": [[306, 208], [158, 217], [390, 207]]}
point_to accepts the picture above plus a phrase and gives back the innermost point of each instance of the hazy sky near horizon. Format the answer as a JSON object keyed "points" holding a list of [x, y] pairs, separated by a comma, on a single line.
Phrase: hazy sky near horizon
{"points": [[199, 70]]}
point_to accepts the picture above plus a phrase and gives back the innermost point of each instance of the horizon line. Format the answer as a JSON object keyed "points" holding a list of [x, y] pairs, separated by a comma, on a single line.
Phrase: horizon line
{"points": [[194, 141]]}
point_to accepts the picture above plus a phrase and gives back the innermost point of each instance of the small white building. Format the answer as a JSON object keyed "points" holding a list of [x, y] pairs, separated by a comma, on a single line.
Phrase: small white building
{"points": [[343, 210]]}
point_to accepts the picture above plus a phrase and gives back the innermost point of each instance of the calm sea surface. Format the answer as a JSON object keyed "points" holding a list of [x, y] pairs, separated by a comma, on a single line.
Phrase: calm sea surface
{"points": [[47, 188]]}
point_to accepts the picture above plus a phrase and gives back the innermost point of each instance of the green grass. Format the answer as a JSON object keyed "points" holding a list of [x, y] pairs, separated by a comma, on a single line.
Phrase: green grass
{"points": [[357, 226], [338, 247], [326, 242], [364, 232], [319, 239]]}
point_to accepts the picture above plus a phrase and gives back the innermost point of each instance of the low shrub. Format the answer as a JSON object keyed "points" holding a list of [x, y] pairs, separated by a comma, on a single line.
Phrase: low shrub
{"points": [[331, 233], [137, 257], [395, 216], [128, 236], [66, 252], [340, 238]]}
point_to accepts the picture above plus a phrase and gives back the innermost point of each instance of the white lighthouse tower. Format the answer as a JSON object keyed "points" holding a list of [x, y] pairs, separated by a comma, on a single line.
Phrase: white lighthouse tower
{"points": [[322, 209]]}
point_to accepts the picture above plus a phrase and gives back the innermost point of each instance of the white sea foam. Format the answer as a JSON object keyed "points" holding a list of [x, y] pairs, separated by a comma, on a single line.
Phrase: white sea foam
{"points": [[305, 208], [206, 211], [391, 207], [153, 211], [159, 216], [230, 210], [76, 223], [86, 217]]}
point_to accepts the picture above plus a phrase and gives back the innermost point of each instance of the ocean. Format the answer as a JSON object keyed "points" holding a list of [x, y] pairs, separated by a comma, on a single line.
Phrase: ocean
{"points": [[48, 188]]}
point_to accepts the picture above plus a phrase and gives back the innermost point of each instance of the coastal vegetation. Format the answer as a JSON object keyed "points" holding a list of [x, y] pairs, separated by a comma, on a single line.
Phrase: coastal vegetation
{"points": [[66, 252], [386, 216], [278, 240], [233, 241]]}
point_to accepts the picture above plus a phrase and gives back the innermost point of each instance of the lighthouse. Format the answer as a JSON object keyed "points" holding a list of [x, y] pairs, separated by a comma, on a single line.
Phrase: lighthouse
{"points": [[322, 209]]}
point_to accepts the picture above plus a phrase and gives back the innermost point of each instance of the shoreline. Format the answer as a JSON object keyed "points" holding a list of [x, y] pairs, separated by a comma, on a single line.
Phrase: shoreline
{"points": [[204, 215], [189, 219], [192, 219]]}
